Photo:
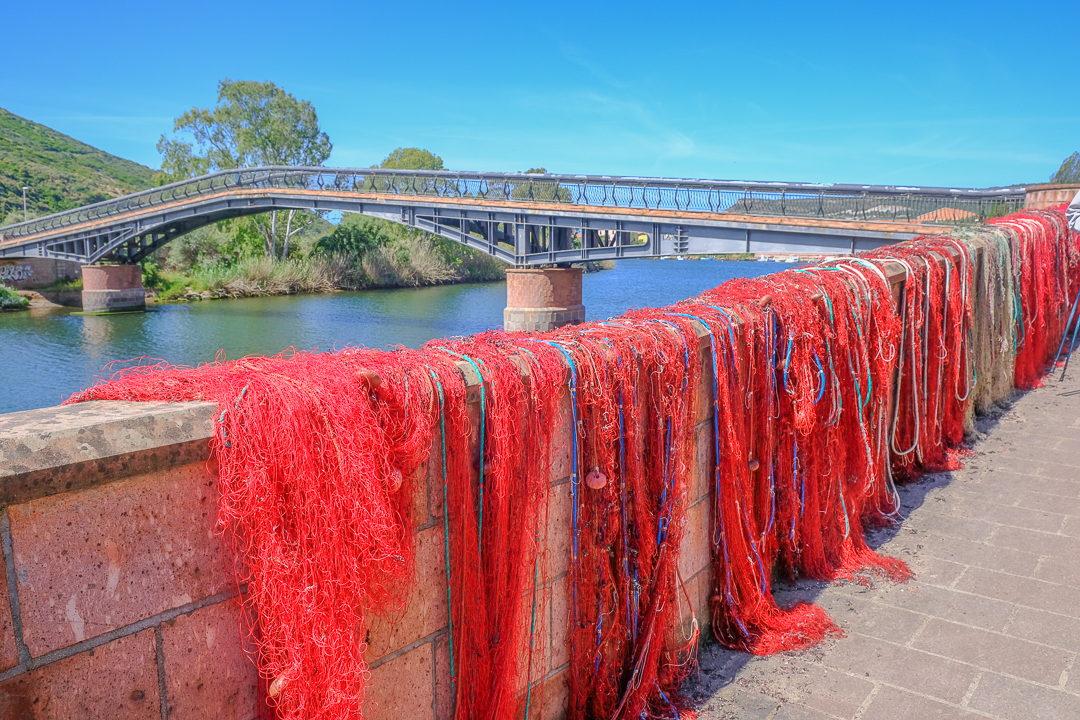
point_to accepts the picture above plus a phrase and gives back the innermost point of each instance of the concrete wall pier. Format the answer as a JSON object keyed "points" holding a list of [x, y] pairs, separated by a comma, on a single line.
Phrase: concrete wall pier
{"points": [[108, 288], [539, 299]]}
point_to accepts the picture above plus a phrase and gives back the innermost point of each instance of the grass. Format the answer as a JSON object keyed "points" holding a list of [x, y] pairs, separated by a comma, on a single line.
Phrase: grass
{"points": [[63, 285], [60, 171]]}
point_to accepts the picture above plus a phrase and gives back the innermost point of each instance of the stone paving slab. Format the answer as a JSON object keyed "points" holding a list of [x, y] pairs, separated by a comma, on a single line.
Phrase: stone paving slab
{"points": [[989, 627]]}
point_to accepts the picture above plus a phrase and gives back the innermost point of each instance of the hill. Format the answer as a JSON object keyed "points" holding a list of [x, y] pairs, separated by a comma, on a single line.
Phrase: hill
{"points": [[60, 171]]}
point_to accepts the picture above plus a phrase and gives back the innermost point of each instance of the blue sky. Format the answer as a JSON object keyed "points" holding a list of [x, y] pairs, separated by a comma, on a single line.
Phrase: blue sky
{"points": [[966, 95]]}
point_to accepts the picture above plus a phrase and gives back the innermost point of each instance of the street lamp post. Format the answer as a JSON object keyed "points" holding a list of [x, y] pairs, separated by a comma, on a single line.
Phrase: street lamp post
{"points": [[25, 188]]}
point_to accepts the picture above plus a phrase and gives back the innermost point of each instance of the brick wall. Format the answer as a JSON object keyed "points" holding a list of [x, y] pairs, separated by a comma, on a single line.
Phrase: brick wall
{"points": [[33, 273], [120, 601]]}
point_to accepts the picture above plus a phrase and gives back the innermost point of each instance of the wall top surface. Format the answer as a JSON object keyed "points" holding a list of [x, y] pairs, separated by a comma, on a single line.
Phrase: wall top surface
{"points": [[55, 449]]}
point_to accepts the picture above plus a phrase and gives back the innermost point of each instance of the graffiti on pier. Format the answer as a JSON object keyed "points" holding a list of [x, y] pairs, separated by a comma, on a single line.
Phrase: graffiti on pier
{"points": [[15, 273]]}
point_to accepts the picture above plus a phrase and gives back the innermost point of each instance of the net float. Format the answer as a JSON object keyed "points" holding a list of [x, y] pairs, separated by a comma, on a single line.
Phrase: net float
{"points": [[393, 482], [369, 377], [753, 464], [765, 301], [816, 296], [596, 479], [277, 686]]}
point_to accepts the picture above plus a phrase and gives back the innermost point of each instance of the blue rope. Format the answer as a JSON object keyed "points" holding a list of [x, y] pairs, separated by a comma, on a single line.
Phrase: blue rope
{"points": [[446, 530], [236, 407], [483, 423]]}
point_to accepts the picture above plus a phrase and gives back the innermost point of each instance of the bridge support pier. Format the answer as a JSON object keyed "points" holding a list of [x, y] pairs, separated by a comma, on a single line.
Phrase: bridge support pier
{"points": [[110, 288], [539, 299]]}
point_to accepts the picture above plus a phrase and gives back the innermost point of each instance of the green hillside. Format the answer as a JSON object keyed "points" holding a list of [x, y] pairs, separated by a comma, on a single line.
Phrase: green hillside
{"points": [[60, 171]]}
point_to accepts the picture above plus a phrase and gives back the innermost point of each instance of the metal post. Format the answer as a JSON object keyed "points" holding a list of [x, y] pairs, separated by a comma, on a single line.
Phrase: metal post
{"points": [[25, 188]]}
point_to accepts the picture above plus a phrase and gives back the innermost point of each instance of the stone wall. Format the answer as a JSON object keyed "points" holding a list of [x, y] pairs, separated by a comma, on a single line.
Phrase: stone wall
{"points": [[1040, 197], [121, 602]]}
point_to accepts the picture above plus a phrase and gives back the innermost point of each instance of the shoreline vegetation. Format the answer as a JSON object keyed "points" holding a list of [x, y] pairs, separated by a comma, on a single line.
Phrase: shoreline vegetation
{"points": [[409, 260], [414, 260], [11, 300]]}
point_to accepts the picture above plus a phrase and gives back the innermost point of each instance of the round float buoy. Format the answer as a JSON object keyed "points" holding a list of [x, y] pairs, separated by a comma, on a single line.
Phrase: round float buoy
{"points": [[765, 301], [277, 686], [596, 479], [753, 464], [816, 296], [369, 378], [393, 482]]}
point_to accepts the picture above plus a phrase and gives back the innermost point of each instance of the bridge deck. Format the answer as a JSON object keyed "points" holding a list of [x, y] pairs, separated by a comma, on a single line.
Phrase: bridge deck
{"points": [[522, 219]]}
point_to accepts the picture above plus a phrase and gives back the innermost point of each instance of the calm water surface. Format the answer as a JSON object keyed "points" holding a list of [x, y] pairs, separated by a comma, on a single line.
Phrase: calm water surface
{"points": [[46, 356]]}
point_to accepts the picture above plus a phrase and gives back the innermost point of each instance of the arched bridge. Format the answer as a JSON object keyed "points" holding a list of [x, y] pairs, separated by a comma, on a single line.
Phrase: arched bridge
{"points": [[523, 219]]}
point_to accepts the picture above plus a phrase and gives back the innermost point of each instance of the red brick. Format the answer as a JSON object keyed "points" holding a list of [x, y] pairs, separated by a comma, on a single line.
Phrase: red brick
{"points": [[116, 681], [425, 611], [9, 654], [433, 476], [402, 687], [688, 612], [694, 552], [559, 544], [100, 559], [555, 697], [547, 700], [561, 443], [534, 627], [560, 622], [111, 277], [704, 609], [538, 288], [207, 671], [702, 478], [703, 390], [444, 698]]}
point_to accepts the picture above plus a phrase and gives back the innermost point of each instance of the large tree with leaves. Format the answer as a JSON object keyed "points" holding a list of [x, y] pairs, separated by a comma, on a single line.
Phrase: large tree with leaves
{"points": [[412, 159], [253, 124]]}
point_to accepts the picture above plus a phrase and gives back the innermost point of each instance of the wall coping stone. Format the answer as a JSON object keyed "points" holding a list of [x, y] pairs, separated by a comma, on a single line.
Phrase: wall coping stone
{"points": [[70, 447]]}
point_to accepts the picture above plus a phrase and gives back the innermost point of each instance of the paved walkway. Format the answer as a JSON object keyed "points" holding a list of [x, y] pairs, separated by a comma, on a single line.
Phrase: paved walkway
{"points": [[990, 626]]}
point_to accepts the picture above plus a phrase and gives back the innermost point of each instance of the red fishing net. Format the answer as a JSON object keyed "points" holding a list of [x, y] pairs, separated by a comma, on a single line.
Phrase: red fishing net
{"points": [[317, 457]]}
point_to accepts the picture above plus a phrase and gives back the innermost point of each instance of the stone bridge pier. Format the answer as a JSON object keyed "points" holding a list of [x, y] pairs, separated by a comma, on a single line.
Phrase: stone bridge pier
{"points": [[109, 288], [540, 299]]}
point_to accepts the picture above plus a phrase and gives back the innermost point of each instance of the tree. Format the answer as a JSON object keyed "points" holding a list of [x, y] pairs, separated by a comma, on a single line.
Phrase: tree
{"points": [[357, 235], [254, 124], [540, 190], [412, 159], [1069, 172]]}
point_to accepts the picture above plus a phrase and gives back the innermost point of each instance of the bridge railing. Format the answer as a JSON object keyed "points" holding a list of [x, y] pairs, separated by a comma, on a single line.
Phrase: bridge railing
{"points": [[927, 205]]}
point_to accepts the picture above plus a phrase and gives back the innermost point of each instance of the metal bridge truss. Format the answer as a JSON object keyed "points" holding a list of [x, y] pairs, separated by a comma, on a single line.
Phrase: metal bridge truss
{"points": [[521, 219]]}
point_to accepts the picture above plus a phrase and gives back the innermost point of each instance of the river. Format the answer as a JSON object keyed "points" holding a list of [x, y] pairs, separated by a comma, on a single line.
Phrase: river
{"points": [[46, 355]]}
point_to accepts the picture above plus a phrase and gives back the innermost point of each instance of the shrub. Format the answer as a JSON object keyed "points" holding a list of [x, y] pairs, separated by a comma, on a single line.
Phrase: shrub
{"points": [[11, 300]]}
